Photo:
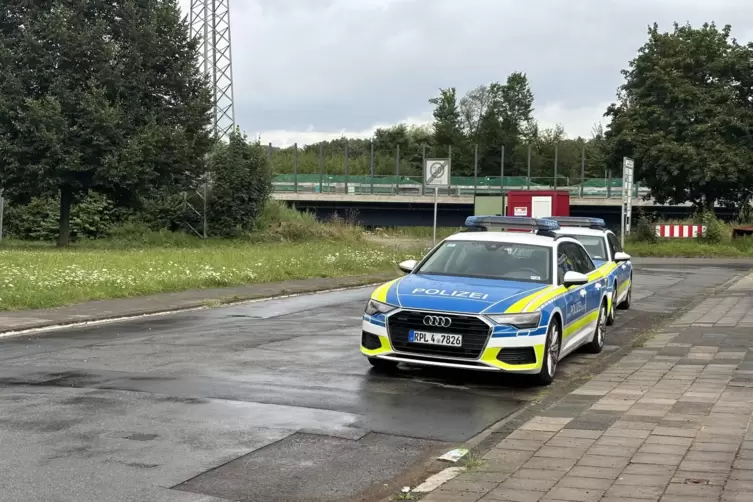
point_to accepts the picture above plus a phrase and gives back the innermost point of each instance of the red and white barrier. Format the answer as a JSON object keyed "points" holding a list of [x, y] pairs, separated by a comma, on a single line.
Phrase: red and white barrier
{"points": [[680, 231]]}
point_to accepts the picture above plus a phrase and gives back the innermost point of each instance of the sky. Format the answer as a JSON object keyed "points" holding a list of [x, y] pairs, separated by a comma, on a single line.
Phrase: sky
{"points": [[309, 70]]}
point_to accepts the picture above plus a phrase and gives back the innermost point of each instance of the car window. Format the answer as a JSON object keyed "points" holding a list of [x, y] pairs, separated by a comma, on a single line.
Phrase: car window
{"points": [[614, 244], [564, 264], [584, 259], [576, 258], [595, 246], [491, 260]]}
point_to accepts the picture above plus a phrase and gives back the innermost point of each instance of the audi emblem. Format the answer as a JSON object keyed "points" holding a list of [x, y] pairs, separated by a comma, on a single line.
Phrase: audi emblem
{"points": [[437, 321]]}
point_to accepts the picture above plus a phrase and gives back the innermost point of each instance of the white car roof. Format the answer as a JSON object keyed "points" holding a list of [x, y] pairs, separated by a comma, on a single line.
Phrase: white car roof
{"points": [[580, 231], [511, 237]]}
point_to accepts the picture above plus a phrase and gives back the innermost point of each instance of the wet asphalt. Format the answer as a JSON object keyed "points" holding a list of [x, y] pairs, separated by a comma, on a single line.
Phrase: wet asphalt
{"points": [[269, 401]]}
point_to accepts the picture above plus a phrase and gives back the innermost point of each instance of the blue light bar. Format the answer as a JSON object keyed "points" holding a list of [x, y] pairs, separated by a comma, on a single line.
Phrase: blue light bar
{"points": [[511, 222], [577, 221]]}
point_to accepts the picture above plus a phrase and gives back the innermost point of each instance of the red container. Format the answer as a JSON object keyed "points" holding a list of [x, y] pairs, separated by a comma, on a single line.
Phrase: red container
{"points": [[538, 203]]}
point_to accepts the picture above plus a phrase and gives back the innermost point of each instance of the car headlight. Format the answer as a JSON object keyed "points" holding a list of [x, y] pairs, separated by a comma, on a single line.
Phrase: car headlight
{"points": [[375, 307], [527, 320]]}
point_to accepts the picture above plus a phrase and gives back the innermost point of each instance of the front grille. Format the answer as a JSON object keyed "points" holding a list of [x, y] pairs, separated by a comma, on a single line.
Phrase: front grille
{"points": [[475, 334], [370, 341], [517, 355]]}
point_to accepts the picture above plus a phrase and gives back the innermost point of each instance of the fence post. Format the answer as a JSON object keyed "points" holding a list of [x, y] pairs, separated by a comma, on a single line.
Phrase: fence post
{"points": [[502, 178], [321, 167], [295, 167], [449, 155], [2, 212], [556, 159], [475, 169], [582, 169], [345, 166], [423, 166], [397, 170], [371, 166], [609, 184], [528, 178]]}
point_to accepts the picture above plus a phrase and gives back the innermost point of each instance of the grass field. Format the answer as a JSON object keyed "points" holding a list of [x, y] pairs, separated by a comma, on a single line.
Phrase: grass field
{"points": [[38, 277], [289, 245]]}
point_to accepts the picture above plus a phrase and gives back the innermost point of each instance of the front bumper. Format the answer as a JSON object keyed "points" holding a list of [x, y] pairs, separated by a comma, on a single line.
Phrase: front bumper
{"points": [[496, 348]]}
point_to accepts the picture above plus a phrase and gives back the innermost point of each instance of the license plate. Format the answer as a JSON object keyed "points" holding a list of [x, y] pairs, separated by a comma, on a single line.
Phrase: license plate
{"points": [[435, 338]]}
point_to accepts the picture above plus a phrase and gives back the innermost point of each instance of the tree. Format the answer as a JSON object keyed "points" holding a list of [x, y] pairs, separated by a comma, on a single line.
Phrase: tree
{"points": [[241, 184], [448, 129], [497, 115], [685, 114], [99, 95]]}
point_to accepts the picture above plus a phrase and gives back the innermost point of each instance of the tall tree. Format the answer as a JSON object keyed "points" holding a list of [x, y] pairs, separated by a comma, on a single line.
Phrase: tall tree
{"points": [[99, 95], [684, 113], [448, 129]]}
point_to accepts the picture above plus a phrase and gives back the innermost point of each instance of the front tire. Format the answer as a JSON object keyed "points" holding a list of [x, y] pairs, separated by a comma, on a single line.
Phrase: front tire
{"points": [[551, 354], [383, 364], [597, 343]]}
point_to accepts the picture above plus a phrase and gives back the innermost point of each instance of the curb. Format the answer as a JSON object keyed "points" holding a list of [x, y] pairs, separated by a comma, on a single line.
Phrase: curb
{"points": [[339, 284]]}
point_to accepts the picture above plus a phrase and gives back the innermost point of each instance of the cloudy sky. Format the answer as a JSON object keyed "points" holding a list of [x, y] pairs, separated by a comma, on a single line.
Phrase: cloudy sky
{"points": [[306, 70]]}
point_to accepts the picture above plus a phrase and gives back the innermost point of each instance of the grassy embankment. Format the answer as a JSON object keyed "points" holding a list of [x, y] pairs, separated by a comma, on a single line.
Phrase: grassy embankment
{"points": [[289, 245]]}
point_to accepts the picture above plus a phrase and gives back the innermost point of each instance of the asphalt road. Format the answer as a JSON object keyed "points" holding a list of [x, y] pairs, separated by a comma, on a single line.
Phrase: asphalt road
{"points": [[269, 401]]}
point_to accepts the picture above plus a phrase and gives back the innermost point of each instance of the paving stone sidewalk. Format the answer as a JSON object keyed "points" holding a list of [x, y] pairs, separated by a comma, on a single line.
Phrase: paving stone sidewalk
{"points": [[671, 421]]}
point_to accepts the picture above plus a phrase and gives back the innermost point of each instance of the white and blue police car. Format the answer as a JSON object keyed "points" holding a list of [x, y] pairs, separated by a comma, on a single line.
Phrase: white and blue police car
{"points": [[507, 294], [607, 253]]}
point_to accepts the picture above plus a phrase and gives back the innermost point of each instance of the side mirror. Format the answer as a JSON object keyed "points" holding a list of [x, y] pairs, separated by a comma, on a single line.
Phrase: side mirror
{"points": [[407, 266], [574, 279], [621, 256]]}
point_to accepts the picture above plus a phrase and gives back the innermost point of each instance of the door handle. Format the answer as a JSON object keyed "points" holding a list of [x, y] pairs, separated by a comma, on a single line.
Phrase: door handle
{"points": [[583, 292]]}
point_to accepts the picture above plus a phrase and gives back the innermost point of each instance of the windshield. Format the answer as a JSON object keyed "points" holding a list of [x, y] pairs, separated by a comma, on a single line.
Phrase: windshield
{"points": [[491, 260], [594, 244]]}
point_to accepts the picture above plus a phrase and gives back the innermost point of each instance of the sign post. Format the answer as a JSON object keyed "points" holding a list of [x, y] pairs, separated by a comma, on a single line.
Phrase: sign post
{"points": [[436, 175], [627, 196]]}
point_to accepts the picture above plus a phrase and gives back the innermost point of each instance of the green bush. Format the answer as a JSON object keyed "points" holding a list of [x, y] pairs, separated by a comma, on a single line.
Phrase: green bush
{"points": [[716, 230], [94, 217], [645, 228], [241, 182], [280, 222]]}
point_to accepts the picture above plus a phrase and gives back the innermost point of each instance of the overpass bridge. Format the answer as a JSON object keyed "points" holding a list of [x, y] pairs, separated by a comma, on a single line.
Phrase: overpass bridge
{"points": [[414, 206]]}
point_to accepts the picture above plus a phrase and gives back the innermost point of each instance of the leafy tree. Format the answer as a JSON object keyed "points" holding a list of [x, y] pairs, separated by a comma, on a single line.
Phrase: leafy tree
{"points": [[240, 186], [685, 114], [448, 130], [98, 95]]}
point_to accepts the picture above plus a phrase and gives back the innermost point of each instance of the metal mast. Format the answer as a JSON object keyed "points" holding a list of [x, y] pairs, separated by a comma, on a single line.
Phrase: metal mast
{"points": [[210, 21]]}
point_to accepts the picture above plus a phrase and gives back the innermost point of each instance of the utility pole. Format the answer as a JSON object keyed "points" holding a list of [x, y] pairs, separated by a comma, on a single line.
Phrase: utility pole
{"points": [[209, 21]]}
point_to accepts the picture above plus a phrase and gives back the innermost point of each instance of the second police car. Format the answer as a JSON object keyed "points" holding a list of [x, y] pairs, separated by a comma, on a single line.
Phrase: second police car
{"points": [[507, 294], [606, 251]]}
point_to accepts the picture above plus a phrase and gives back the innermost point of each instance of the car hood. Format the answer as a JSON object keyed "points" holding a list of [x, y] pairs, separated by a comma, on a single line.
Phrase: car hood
{"points": [[457, 294]]}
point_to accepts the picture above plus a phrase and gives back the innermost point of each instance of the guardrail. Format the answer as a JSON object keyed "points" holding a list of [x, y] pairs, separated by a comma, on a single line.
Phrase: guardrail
{"points": [[391, 185]]}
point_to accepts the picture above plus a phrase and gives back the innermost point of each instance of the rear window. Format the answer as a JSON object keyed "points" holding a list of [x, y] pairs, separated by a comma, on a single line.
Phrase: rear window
{"points": [[595, 246]]}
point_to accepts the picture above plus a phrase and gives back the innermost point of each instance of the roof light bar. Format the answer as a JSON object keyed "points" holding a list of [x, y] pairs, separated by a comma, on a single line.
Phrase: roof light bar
{"points": [[577, 221], [511, 222]]}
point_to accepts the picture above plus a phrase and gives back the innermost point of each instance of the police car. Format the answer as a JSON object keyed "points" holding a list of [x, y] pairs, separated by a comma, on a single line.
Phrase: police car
{"points": [[507, 294], [605, 250]]}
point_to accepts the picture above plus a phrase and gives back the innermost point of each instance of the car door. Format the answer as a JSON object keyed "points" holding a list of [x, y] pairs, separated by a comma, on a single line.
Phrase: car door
{"points": [[576, 298], [622, 271], [594, 287]]}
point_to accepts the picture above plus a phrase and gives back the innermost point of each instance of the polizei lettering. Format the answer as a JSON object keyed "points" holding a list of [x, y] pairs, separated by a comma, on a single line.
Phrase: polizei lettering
{"points": [[576, 308], [450, 294]]}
